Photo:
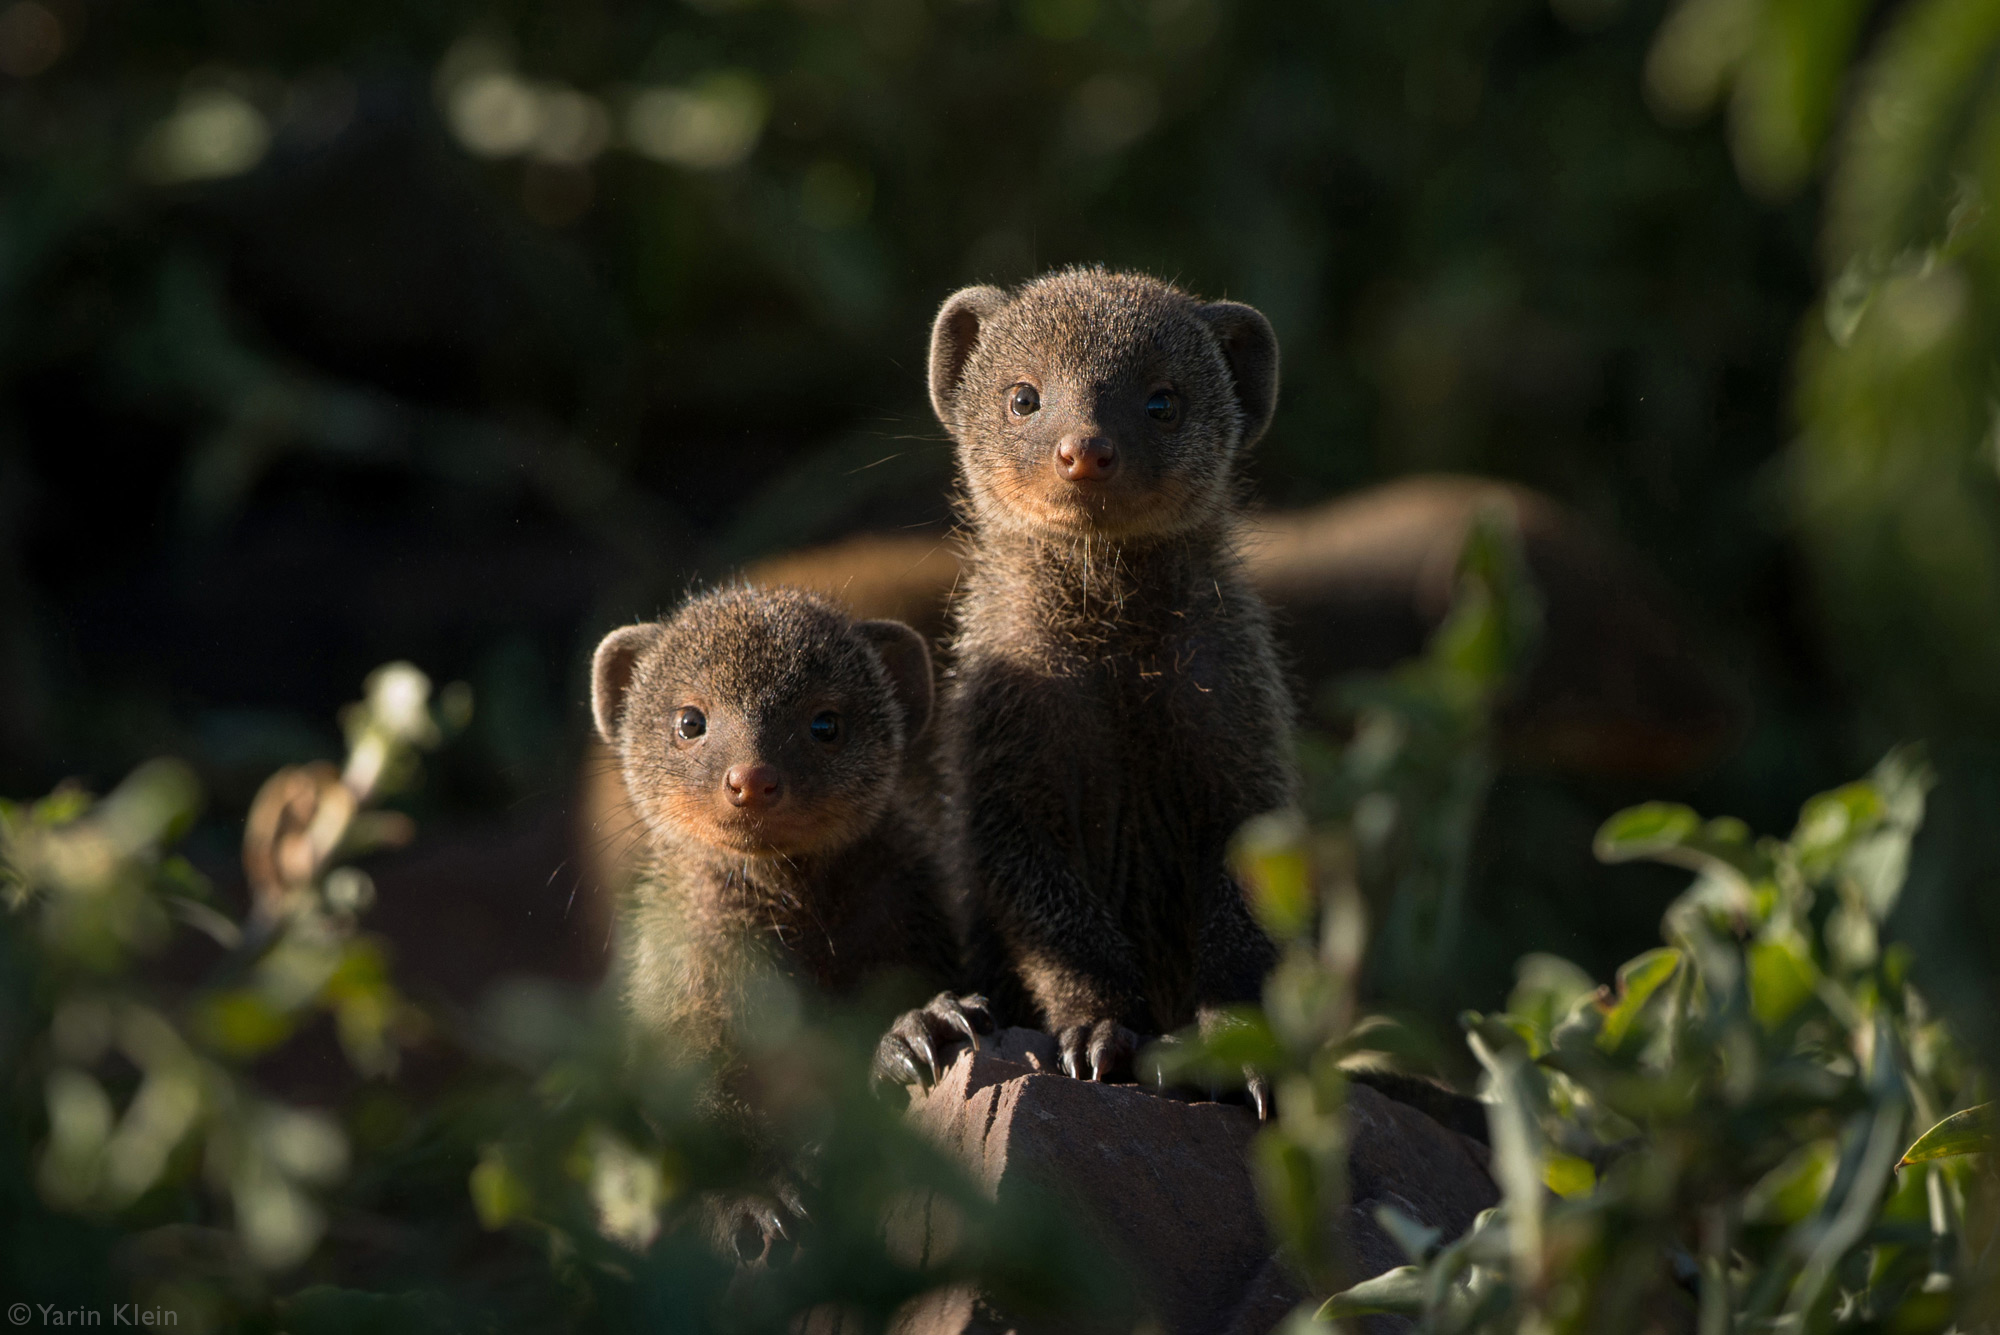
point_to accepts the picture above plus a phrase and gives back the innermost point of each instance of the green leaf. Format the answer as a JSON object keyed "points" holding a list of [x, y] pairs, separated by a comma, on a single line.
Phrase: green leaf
{"points": [[67, 803], [1674, 834], [1830, 822], [1876, 864], [1399, 1292], [498, 1194], [1638, 979], [1547, 989], [1642, 831], [1782, 977], [1518, 1149], [1243, 1038], [1414, 1238], [1967, 1132], [1568, 1176], [1270, 856], [1795, 1188], [1500, 1033], [240, 1023], [1289, 1188]]}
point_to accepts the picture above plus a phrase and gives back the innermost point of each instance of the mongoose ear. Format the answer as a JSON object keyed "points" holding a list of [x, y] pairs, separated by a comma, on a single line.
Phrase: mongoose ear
{"points": [[953, 338], [908, 660], [611, 672], [1250, 346]]}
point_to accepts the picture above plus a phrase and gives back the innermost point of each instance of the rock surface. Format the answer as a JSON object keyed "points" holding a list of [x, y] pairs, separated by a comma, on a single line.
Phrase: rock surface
{"points": [[1166, 1185]]}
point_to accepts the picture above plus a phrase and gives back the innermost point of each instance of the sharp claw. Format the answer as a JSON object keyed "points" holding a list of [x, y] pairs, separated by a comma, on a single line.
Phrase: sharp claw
{"points": [[898, 1065], [920, 1043], [1069, 1063], [1261, 1097], [962, 1022]]}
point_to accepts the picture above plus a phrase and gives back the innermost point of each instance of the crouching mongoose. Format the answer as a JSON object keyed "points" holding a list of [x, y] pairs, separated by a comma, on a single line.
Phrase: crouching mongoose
{"points": [[761, 735]]}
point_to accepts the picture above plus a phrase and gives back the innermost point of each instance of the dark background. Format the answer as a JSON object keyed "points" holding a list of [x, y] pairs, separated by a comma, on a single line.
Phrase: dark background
{"points": [[460, 333]]}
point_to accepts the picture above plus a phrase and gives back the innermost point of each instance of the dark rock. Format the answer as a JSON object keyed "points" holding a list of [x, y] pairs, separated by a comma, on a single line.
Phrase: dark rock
{"points": [[1165, 1185]]}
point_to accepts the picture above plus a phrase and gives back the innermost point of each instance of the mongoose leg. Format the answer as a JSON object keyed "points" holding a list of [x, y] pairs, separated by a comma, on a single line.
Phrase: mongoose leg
{"points": [[927, 1036]]}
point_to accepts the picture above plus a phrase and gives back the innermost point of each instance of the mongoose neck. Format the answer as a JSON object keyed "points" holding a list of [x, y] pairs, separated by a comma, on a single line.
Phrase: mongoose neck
{"points": [[1088, 579], [757, 891]]}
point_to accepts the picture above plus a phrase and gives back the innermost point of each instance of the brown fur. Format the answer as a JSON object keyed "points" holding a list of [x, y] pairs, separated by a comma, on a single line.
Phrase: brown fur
{"points": [[832, 887], [1117, 708], [1623, 685]]}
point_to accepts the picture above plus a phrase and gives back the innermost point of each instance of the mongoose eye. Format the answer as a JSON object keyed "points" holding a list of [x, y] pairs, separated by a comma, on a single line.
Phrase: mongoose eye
{"points": [[690, 723], [1022, 399], [1163, 406], [825, 726]]}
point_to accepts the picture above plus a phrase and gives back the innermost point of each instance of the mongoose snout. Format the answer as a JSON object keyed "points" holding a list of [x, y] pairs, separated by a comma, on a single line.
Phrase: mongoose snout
{"points": [[772, 779], [763, 723], [1085, 458], [754, 787]]}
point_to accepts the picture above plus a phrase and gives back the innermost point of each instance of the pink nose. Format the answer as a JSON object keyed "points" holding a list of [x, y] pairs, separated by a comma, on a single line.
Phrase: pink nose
{"points": [[752, 786], [1085, 458]]}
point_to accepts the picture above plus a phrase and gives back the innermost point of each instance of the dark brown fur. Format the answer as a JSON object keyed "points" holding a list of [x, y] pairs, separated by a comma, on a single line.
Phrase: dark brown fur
{"points": [[831, 887], [1624, 684], [1117, 709]]}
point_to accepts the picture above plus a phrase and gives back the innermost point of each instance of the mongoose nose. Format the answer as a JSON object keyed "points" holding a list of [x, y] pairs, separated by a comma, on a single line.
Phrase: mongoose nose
{"points": [[752, 786], [1085, 458]]}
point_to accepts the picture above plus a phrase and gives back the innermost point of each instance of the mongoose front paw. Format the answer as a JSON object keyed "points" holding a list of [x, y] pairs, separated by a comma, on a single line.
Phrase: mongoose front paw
{"points": [[1099, 1051], [756, 1232], [921, 1041]]}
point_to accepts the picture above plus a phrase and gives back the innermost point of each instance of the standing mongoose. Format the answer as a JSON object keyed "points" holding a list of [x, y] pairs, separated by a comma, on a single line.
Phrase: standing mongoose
{"points": [[762, 737], [1116, 708]]}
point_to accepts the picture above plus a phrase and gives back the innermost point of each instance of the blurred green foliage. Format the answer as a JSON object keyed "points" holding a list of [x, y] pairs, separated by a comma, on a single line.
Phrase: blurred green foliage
{"points": [[558, 1177], [1385, 838], [1721, 1132], [141, 1087], [1721, 1140], [477, 326], [1412, 778]]}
